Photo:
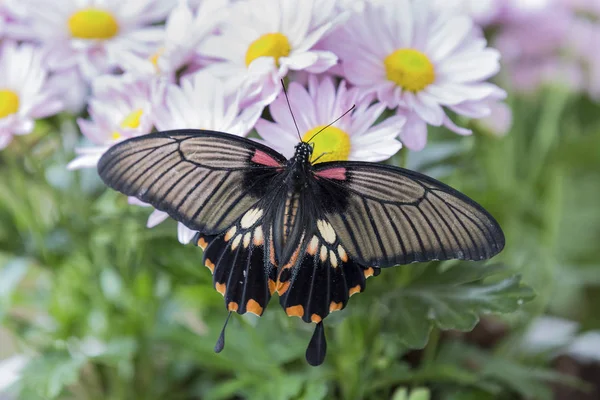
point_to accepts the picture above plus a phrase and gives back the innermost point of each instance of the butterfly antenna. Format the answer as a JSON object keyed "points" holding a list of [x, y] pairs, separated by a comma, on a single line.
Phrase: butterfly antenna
{"points": [[337, 119], [220, 345], [290, 107]]}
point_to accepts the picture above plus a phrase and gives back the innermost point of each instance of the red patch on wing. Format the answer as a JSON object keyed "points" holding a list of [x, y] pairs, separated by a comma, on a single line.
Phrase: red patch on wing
{"points": [[262, 158], [333, 173]]}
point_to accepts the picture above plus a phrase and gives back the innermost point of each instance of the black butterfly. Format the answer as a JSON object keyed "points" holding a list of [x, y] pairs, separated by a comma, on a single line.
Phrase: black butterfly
{"points": [[311, 232]]}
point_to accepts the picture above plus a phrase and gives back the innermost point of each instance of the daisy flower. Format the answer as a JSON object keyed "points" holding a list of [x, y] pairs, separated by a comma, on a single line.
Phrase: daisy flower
{"points": [[353, 137], [13, 20], [24, 93], [264, 39], [94, 34], [201, 102], [483, 12], [119, 109], [185, 30], [416, 58]]}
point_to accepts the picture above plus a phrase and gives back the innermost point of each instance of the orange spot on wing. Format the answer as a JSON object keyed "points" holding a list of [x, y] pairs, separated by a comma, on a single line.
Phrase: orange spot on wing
{"points": [[272, 286], [202, 243], [271, 250], [342, 253], [253, 307], [295, 311], [282, 287], [232, 306], [210, 265], [354, 290], [333, 306], [294, 257], [221, 288], [230, 233], [315, 318], [369, 272]]}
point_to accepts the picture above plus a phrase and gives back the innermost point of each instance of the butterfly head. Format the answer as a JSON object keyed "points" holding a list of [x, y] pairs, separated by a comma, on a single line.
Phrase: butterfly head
{"points": [[303, 152]]}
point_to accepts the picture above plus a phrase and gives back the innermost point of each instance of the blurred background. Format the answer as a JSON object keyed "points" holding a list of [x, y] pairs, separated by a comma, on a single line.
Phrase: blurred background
{"points": [[94, 305]]}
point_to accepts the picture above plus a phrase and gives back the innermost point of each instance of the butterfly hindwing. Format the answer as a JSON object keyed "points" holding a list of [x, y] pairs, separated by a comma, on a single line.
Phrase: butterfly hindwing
{"points": [[386, 216], [323, 279], [203, 179], [236, 258]]}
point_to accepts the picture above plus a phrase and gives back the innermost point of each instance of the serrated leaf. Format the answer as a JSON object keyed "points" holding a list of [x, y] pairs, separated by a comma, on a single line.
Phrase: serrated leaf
{"points": [[453, 299]]}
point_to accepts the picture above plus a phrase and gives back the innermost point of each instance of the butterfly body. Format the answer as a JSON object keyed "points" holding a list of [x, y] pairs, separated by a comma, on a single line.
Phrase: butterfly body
{"points": [[312, 233]]}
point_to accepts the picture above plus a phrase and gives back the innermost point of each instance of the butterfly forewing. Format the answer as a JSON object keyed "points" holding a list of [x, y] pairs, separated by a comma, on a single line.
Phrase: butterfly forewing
{"points": [[204, 179], [392, 216]]}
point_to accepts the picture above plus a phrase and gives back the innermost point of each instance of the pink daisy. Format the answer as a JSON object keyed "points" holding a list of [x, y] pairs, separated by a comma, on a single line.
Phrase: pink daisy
{"points": [[356, 136], [120, 108], [24, 92], [94, 34], [416, 58]]}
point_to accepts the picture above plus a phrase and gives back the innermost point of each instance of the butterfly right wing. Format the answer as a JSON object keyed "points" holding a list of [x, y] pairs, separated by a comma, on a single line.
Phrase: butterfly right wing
{"points": [[385, 216], [204, 179]]}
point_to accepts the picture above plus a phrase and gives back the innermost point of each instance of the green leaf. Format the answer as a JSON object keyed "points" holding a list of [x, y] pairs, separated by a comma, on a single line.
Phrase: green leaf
{"points": [[51, 372], [415, 394], [453, 299]]}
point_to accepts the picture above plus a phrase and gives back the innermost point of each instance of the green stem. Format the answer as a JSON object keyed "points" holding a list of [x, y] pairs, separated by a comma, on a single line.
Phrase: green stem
{"points": [[430, 351], [547, 131]]}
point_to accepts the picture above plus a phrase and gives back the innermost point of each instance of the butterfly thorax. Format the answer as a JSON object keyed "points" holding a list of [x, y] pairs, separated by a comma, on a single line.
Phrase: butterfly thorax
{"points": [[290, 211]]}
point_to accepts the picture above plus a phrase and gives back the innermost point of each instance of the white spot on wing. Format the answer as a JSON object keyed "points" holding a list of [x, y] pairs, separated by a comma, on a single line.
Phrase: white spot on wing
{"points": [[323, 254], [333, 259], [236, 242], [250, 218], [326, 231]]}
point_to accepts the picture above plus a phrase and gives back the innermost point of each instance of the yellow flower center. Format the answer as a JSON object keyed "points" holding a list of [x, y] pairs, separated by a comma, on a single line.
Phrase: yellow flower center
{"points": [[333, 144], [93, 23], [274, 45], [131, 121], [409, 69], [154, 58], [9, 102]]}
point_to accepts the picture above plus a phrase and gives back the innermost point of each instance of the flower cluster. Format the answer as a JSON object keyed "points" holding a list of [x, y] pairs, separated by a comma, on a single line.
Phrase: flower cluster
{"points": [[148, 65]]}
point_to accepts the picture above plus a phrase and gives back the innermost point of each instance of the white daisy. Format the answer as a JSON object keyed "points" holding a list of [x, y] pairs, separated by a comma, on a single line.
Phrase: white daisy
{"points": [[185, 30], [94, 34], [200, 103], [415, 58], [13, 20], [121, 108], [24, 93], [264, 39], [356, 136]]}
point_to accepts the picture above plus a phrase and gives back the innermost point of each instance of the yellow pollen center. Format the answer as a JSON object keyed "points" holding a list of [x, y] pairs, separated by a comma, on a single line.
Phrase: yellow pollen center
{"points": [[131, 121], [274, 45], [333, 144], [93, 23], [154, 58], [9, 102], [409, 69]]}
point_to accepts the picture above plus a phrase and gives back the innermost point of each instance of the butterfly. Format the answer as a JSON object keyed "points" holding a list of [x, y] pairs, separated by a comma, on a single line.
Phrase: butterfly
{"points": [[311, 232]]}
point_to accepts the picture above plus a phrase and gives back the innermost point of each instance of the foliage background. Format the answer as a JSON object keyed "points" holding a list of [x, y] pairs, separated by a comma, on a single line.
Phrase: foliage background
{"points": [[104, 308]]}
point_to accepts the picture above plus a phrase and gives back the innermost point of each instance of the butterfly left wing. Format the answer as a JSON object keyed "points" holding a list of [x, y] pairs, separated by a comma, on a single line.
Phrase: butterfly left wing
{"points": [[241, 264], [385, 216], [204, 179]]}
